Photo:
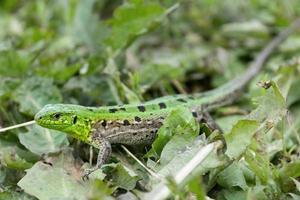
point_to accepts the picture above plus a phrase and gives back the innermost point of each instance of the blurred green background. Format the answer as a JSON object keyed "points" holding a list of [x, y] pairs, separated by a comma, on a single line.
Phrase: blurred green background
{"points": [[101, 52]]}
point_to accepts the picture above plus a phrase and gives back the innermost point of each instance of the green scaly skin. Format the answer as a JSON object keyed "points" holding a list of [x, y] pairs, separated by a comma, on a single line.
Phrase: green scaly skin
{"points": [[138, 123]]}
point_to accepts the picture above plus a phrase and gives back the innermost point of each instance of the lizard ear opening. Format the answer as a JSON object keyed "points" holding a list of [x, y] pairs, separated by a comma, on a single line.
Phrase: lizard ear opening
{"points": [[75, 119]]}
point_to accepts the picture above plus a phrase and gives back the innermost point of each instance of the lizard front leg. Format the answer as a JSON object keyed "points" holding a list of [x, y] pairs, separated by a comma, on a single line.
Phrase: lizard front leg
{"points": [[104, 153]]}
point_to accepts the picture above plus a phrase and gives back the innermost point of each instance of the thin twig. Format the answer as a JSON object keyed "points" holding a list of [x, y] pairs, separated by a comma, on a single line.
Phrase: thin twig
{"points": [[142, 164], [17, 126], [178, 86]]}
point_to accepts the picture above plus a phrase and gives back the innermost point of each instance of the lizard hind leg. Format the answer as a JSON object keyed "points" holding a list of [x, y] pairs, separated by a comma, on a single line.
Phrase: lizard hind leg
{"points": [[104, 153]]}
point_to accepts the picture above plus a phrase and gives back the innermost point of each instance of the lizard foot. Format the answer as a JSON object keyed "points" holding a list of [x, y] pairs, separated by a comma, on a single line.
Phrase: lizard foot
{"points": [[87, 172]]}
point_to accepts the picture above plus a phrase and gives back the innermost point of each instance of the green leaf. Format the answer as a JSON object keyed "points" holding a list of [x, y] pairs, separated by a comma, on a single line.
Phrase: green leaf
{"points": [[100, 190], [179, 121], [131, 19], [288, 171], [227, 122], [259, 164], [13, 63], [297, 183], [7, 86], [234, 195], [240, 137], [43, 141], [14, 157], [197, 188], [36, 92], [246, 29], [123, 177], [182, 157], [57, 179], [232, 176], [271, 106], [86, 25], [178, 143], [15, 195], [93, 89], [292, 44]]}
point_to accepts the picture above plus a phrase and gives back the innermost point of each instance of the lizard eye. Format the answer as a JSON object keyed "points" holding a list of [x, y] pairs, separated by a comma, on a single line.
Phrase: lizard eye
{"points": [[57, 115]]}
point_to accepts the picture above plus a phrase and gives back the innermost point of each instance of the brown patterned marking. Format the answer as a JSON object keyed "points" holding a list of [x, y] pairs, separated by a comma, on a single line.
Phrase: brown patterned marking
{"points": [[195, 114], [126, 122], [113, 110], [141, 108], [103, 123], [135, 133], [137, 119], [181, 100], [162, 105]]}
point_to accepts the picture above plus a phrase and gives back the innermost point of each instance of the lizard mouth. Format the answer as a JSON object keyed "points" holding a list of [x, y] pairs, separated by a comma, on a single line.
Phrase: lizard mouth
{"points": [[47, 123], [52, 124]]}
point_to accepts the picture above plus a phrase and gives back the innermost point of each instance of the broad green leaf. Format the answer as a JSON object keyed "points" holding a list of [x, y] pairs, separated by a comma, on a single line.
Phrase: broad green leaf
{"points": [[93, 89], [271, 109], [36, 92], [294, 196], [133, 18], [288, 171], [127, 196], [232, 177], [178, 143], [100, 190], [182, 157], [58, 70], [251, 28], [168, 64], [294, 96], [15, 195], [13, 63], [292, 44], [7, 85], [123, 177], [14, 157], [58, 178], [271, 106], [86, 25], [197, 188], [43, 141], [227, 122], [240, 137], [179, 121], [211, 161], [234, 195], [259, 164], [297, 183], [258, 192]]}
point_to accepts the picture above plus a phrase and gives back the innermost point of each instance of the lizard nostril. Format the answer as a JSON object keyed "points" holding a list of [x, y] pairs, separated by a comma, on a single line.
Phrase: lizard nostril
{"points": [[40, 117]]}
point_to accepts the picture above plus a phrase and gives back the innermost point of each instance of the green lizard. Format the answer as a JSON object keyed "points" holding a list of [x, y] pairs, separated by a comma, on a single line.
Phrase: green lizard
{"points": [[134, 124]]}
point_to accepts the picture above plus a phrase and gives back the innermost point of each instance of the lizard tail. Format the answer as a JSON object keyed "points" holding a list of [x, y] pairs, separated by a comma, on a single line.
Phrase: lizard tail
{"points": [[227, 93], [256, 66]]}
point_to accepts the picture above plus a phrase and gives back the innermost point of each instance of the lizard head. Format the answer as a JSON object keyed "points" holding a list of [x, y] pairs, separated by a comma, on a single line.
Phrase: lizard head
{"points": [[67, 118]]}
